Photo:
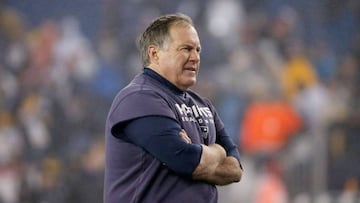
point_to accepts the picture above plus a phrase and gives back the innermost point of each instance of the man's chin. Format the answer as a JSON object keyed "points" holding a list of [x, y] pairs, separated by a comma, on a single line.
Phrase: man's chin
{"points": [[191, 83]]}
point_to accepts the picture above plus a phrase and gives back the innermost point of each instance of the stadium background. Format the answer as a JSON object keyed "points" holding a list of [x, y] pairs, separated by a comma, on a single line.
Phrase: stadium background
{"points": [[284, 75]]}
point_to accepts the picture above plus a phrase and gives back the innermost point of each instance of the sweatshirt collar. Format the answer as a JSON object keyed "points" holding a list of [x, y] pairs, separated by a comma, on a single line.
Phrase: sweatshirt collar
{"points": [[151, 73]]}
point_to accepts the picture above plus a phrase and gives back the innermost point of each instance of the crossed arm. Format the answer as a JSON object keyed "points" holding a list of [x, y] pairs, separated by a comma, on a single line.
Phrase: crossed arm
{"points": [[214, 166], [163, 140]]}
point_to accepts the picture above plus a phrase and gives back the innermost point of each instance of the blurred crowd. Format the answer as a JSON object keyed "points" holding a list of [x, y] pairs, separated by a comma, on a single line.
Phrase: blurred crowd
{"points": [[283, 74]]}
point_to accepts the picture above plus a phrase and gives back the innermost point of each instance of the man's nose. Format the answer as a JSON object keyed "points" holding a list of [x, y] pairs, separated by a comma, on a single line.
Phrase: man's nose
{"points": [[195, 56]]}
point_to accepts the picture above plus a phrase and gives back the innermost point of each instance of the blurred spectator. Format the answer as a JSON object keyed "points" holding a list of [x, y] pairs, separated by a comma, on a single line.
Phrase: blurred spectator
{"points": [[268, 126], [349, 193], [33, 115], [74, 60], [11, 150], [50, 187], [108, 77], [298, 73], [271, 188], [324, 60], [85, 180], [224, 20]]}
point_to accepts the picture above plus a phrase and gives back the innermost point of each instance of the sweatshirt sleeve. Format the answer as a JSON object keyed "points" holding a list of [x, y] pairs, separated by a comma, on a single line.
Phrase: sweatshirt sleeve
{"points": [[159, 135]]}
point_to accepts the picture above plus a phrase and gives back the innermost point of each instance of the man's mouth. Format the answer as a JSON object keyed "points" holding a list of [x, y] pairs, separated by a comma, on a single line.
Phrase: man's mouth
{"points": [[190, 69]]}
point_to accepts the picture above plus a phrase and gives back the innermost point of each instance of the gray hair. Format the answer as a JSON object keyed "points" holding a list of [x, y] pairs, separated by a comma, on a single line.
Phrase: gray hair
{"points": [[158, 32]]}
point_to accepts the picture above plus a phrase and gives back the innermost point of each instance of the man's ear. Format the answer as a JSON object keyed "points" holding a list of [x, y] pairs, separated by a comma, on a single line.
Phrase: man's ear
{"points": [[153, 54]]}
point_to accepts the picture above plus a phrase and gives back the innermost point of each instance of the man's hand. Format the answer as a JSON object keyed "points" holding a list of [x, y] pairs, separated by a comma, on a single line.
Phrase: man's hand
{"points": [[215, 167], [184, 136]]}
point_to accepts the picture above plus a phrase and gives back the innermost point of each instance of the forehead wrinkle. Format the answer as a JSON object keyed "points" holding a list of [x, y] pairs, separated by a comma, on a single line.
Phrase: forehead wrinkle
{"points": [[193, 41]]}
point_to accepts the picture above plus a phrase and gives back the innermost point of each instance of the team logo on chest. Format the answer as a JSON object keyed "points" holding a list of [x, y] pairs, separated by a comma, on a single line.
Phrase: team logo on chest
{"points": [[191, 113]]}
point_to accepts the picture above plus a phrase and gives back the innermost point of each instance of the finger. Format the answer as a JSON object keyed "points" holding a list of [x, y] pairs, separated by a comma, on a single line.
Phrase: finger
{"points": [[184, 136], [187, 139]]}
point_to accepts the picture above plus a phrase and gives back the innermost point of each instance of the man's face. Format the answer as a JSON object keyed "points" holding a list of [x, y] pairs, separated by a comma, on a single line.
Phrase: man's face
{"points": [[179, 59]]}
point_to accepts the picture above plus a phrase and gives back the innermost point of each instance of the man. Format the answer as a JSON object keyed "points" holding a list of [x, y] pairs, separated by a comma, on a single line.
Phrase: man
{"points": [[165, 143]]}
